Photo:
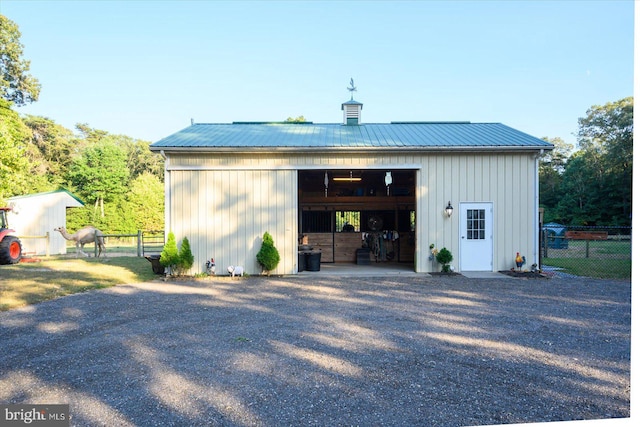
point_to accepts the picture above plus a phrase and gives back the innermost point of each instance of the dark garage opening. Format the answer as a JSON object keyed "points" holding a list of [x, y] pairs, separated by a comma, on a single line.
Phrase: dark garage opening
{"points": [[343, 212]]}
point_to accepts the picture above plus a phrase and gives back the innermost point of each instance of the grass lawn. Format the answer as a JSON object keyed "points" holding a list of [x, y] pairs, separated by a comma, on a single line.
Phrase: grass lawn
{"points": [[593, 267], [29, 283]]}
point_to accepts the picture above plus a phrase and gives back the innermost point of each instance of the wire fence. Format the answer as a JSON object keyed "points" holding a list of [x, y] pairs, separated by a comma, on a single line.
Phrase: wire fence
{"points": [[141, 244], [600, 251]]}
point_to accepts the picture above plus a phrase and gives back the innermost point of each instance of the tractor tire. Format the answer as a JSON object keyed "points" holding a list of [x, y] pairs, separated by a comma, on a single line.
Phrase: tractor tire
{"points": [[10, 250]]}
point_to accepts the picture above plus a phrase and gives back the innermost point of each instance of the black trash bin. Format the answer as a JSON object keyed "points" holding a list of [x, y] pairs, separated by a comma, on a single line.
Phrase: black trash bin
{"points": [[362, 256], [302, 261], [313, 260], [155, 264]]}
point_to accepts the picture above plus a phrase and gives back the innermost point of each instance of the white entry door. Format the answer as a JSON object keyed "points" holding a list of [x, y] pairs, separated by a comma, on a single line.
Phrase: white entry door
{"points": [[476, 236]]}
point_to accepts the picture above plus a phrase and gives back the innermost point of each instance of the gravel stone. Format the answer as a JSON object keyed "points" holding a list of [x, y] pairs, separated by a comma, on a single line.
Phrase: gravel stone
{"points": [[326, 351]]}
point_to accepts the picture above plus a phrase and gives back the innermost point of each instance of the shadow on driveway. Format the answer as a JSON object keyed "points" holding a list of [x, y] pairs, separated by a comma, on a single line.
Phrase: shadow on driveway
{"points": [[399, 351]]}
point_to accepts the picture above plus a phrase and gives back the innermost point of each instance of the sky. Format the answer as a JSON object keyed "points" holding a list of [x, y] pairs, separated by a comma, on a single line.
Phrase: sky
{"points": [[146, 68]]}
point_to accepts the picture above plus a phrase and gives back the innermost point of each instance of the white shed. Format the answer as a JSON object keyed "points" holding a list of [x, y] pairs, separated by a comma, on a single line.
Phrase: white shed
{"points": [[38, 214], [347, 186]]}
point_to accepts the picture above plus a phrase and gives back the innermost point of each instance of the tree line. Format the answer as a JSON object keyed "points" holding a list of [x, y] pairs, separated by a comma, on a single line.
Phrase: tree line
{"points": [[121, 180], [117, 177], [591, 184]]}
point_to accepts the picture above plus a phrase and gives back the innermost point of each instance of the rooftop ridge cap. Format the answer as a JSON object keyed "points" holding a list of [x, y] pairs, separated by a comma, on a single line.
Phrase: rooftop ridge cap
{"points": [[434, 122], [270, 123]]}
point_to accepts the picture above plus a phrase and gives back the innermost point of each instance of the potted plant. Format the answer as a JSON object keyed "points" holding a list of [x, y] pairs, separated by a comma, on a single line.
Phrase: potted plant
{"points": [[268, 256], [444, 257]]}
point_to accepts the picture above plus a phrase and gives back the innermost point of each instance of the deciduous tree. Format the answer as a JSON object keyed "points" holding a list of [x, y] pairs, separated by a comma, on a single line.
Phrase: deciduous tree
{"points": [[16, 84], [596, 185], [146, 199], [551, 169], [606, 136], [14, 165], [100, 174], [56, 144]]}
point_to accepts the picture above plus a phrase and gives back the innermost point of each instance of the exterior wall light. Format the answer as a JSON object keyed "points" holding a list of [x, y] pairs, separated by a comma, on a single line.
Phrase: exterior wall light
{"points": [[449, 210]]}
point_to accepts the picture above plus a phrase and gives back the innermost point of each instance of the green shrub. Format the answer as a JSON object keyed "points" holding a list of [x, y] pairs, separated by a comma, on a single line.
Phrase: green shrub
{"points": [[268, 256], [444, 257], [185, 257], [169, 257]]}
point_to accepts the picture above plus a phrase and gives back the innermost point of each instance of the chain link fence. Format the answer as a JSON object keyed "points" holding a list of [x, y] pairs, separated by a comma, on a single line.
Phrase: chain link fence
{"points": [[598, 251]]}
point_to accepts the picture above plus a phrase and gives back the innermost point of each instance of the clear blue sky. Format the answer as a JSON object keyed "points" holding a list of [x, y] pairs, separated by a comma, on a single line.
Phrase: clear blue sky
{"points": [[145, 68]]}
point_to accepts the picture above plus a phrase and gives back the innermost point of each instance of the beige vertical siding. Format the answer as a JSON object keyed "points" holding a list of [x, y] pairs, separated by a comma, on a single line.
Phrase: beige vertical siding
{"points": [[224, 214], [506, 180], [224, 203]]}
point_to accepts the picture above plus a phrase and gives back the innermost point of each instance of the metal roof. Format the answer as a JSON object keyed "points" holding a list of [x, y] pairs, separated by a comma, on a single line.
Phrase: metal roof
{"points": [[59, 190], [309, 136]]}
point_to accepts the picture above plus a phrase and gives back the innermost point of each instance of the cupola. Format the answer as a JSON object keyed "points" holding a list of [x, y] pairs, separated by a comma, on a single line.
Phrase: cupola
{"points": [[352, 110]]}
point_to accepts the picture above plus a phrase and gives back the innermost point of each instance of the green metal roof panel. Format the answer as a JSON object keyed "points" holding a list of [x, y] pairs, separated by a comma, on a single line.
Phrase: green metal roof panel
{"points": [[436, 135]]}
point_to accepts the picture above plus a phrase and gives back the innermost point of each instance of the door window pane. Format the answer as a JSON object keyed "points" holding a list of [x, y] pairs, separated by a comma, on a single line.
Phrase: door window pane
{"points": [[475, 224]]}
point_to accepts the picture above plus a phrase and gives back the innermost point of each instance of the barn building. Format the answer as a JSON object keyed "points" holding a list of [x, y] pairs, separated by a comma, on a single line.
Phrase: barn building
{"points": [[37, 214], [396, 189]]}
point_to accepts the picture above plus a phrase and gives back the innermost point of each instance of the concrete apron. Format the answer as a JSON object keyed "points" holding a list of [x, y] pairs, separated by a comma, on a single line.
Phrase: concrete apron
{"points": [[386, 269]]}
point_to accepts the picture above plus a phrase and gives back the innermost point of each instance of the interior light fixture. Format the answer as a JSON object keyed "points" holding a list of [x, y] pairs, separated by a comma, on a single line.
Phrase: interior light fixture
{"points": [[349, 178]]}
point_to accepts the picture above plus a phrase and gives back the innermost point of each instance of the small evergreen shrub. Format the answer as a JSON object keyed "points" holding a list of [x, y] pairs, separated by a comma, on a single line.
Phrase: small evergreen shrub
{"points": [[185, 257], [268, 256], [169, 257], [444, 257]]}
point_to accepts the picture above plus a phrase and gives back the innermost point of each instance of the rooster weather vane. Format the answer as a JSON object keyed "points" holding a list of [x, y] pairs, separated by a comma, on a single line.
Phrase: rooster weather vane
{"points": [[352, 88]]}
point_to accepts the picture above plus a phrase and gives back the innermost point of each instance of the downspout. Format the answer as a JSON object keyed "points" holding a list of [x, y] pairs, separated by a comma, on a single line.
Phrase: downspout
{"points": [[167, 195], [536, 207]]}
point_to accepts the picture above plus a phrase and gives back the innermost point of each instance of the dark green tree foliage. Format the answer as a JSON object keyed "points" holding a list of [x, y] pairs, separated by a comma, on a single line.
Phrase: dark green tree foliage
{"points": [[100, 174], [140, 159], [16, 84], [185, 256], [594, 185], [17, 174], [169, 257], [605, 137], [146, 201], [89, 134], [56, 144], [444, 257], [268, 256], [551, 167]]}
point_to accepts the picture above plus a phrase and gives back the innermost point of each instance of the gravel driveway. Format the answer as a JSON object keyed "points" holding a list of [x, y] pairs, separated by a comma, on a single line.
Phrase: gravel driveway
{"points": [[326, 351]]}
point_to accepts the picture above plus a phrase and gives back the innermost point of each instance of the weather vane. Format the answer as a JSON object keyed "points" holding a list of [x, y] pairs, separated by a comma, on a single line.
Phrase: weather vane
{"points": [[352, 88]]}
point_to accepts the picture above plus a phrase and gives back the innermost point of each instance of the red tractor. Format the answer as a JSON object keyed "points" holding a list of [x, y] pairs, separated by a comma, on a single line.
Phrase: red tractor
{"points": [[10, 246]]}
